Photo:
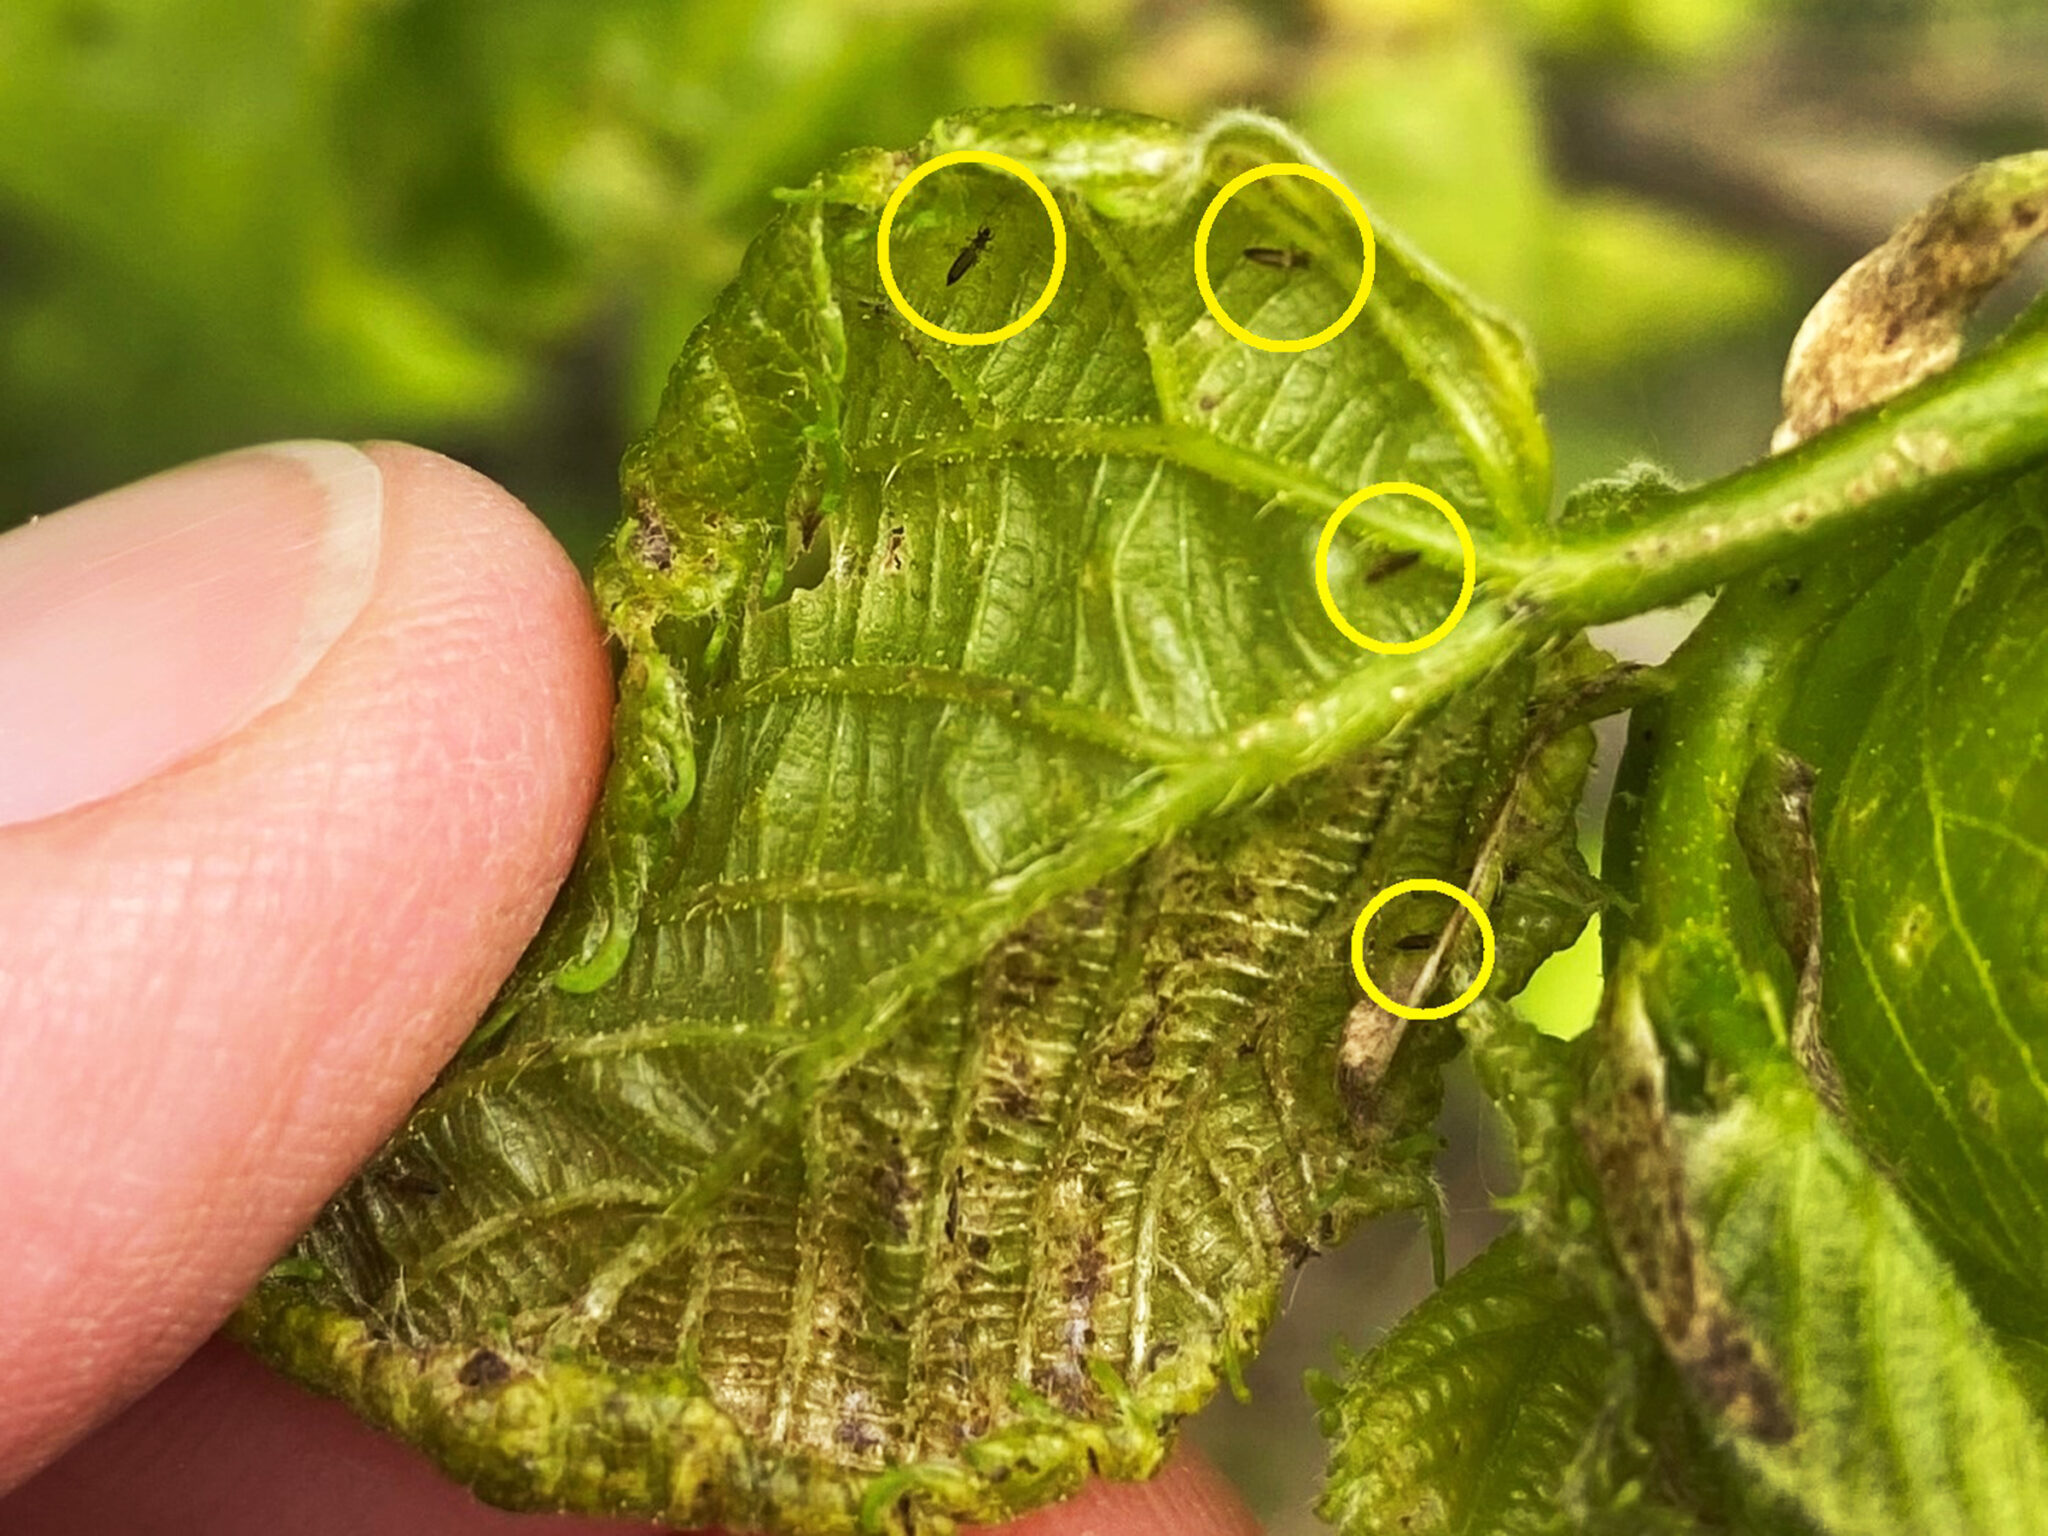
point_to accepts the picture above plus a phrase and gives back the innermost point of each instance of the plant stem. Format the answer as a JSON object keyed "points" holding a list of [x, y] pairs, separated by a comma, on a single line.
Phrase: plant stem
{"points": [[1881, 470], [1672, 846]]}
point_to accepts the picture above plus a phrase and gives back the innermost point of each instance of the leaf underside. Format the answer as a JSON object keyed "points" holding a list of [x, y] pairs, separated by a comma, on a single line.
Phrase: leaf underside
{"points": [[1907, 1416], [1501, 1406], [927, 1077]]}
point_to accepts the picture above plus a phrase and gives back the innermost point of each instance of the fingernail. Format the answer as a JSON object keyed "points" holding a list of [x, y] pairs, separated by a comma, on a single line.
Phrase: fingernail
{"points": [[141, 627]]}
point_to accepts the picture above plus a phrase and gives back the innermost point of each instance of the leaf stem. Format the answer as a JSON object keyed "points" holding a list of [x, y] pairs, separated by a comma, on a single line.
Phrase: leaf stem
{"points": [[1882, 469], [1672, 849]]}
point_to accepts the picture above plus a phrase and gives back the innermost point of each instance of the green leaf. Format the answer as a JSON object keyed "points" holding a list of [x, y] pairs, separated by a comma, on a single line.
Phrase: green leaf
{"points": [[1810, 1318], [1500, 1407], [1928, 719], [926, 1078], [1906, 1415], [1817, 1329], [1809, 1312]]}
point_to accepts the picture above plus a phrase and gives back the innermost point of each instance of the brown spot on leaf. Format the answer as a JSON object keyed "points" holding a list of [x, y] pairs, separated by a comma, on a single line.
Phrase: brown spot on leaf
{"points": [[1371, 1037], [1085, 1274], [1774, 825], [483, 1369], [896, 1190], [650, 538], [1012, 1087], [1140, 1053], [1627, 1133], [857, 1435]]}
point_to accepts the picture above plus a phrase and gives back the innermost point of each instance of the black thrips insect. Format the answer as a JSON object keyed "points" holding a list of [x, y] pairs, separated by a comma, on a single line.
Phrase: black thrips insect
{"points": [[1391, 565], [1274, 256], [970, 253]]}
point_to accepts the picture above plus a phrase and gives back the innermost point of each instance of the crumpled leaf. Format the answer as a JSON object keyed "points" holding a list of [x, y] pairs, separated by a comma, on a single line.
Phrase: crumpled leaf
{"points": [[1501, 1406], [1509, 1400], [929, 1072], [1816, 1327], [1647, 1202], [1927, 716], [1815, 1323], [1813, 1319], [1907, 1416]]}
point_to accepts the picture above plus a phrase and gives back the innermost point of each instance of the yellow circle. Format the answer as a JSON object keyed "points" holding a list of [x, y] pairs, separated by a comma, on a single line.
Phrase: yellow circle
{"points": [[1059, 247], [1321, 178], [1441, 888], [1358, 637]]}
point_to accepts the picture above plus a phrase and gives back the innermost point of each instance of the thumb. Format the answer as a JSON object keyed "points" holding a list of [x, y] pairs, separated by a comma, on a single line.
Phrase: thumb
{"points": [[295, 746]]}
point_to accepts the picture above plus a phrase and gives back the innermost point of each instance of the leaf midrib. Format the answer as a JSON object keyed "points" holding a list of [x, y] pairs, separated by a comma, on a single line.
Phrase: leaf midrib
{"points": [[1357, 712]]}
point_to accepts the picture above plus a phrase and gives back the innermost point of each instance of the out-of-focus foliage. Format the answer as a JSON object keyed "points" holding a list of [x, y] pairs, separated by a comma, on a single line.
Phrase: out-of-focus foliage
{"points": [[1686, 29], [487, 224], [456, 220], [1434, 116]]}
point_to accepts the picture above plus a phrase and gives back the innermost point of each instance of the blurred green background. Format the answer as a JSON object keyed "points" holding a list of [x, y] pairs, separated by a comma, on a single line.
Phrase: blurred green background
{"points": [[487, 225]]}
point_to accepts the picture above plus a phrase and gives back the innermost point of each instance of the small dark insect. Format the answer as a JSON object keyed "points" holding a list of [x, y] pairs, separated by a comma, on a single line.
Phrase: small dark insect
{"points": [[484, 1369], [1414, 941], [1274, 256], [1392, 565], [970, 253], [1298, 1250]]}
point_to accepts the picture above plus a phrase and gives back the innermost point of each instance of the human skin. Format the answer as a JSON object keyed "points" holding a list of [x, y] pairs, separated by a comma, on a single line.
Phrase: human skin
{"points": [[273, 827]]}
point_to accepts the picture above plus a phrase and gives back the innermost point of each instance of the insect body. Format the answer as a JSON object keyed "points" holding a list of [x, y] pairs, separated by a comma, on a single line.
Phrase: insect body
{"points": [[1391, 565], [1274, 256], [970, 253]]}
